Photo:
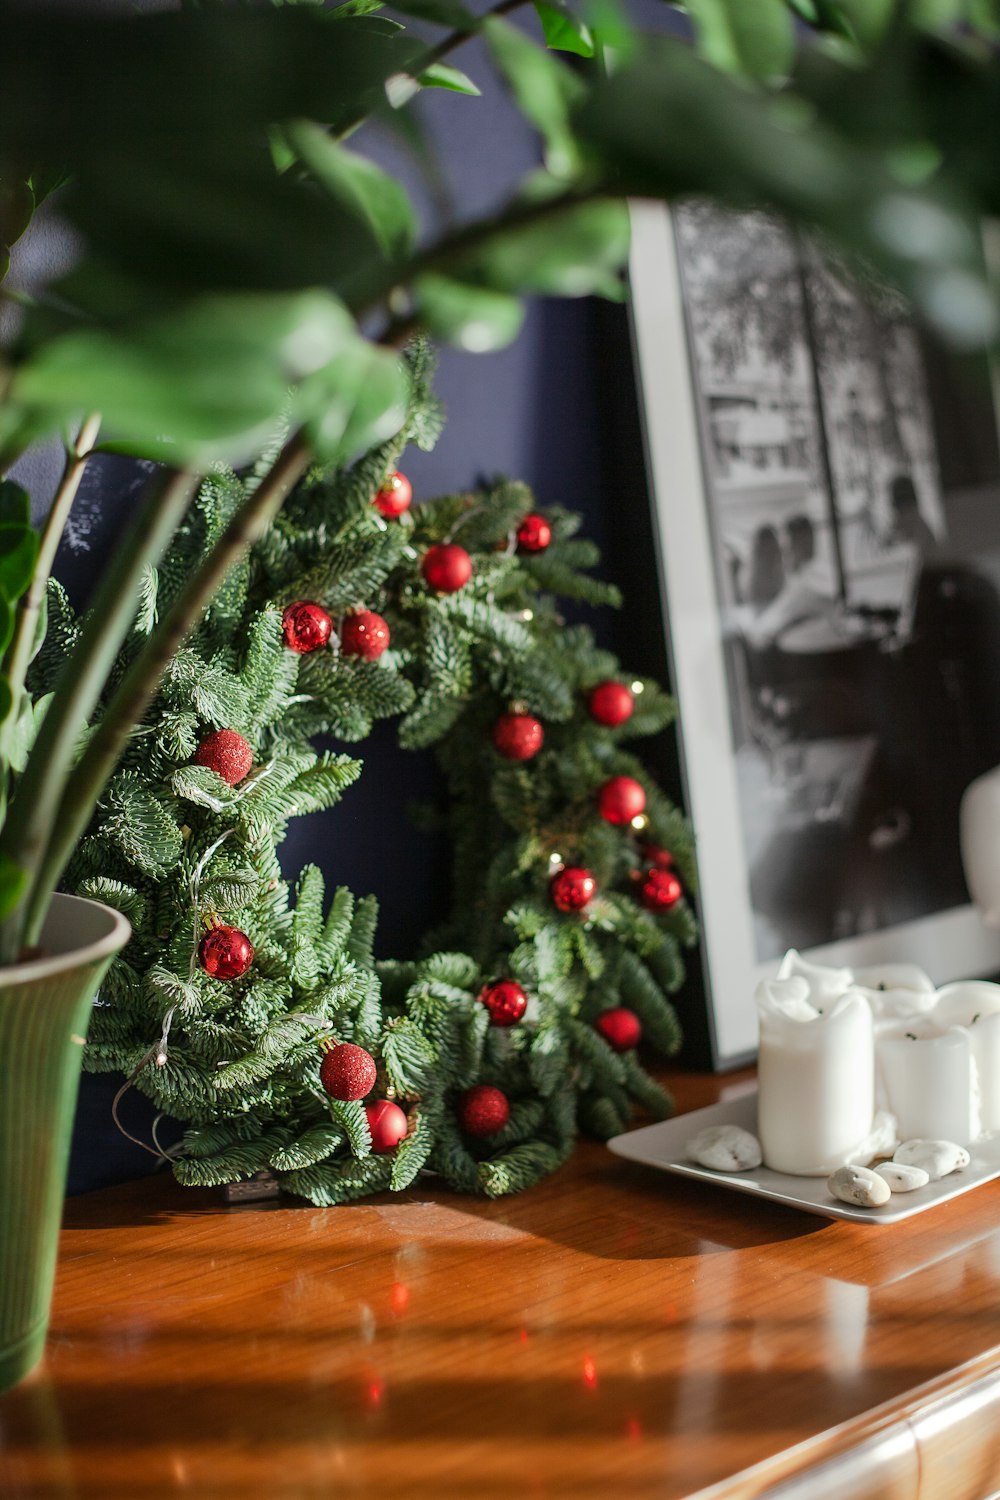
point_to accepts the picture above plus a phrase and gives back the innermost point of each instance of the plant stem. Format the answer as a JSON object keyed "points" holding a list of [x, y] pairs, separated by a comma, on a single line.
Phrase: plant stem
{"points": [[36, 801], [27, 623], [138, 686]]}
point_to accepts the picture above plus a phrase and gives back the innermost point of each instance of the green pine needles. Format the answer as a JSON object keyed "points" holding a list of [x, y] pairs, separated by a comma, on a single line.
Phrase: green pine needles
{"points": [[186, 846]]}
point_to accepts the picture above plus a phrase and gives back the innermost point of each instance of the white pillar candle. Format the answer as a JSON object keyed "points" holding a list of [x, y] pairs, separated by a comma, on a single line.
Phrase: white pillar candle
{"points": [[927, 1075], [825, 983], [975, 1004], [816, 1077], [887, 977]]}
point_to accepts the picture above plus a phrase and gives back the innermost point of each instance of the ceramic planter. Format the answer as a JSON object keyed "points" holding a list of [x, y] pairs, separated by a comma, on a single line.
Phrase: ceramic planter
{"points": [[44, 1012]]}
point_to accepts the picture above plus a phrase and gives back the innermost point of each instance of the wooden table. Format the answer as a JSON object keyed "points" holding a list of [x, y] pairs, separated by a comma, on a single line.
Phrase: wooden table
{"points": [[613, 1332]]}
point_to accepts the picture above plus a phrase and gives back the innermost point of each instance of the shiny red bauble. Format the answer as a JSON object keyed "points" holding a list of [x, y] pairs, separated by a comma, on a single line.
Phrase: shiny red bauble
{"points": [[611, 703], [225, 952], [395, 496], [447, 567], [653, 854], [518, 736], [364, 634], [620, 1028], [483, 1110], [226, 753], [387, 1124], [505, 1000], [621, 799], [534, 534], [347, 1071], [572, 888], [660, 890], [306, 626]]}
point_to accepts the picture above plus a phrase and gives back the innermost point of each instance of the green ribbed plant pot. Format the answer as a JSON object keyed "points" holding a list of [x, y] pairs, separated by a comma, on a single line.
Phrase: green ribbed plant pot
{"points": [[44, 1013]]}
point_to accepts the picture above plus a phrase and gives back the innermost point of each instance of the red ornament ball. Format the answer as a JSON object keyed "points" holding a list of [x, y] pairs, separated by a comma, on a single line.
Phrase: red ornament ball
{"points": [[306, 625], [611, 703], [483, 1110], [534, 534], [364, 634], [225, 952], [226, 753], [660, 890], [387, 1124], [447, 567], [395, 496], [620, 1028], [505, 1000], [518, 736], [621, 799], [572, 888], [653, 854], [347, 1071]]}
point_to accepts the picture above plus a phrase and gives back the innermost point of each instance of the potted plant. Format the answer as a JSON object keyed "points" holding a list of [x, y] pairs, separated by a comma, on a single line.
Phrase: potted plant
{"points": [[240, 272]]}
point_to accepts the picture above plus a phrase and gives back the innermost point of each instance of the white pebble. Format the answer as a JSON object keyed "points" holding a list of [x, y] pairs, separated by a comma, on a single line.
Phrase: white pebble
{"points": [[938, 1158], [901, 1177], [725, 1148], [859, 1185]]}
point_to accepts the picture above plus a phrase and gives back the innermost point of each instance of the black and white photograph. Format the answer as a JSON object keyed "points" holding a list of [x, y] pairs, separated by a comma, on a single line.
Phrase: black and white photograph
{"points": [[849, 482]]}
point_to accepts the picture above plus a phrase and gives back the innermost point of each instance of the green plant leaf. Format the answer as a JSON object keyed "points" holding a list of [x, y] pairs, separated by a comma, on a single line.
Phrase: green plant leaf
{"points": [[12, 883], [564, 31], [543, 87], [441, 76], [15, 504], [359, 185], [18, 554], [472, 317], [757, 40], [355, 402], [574, 253], [441, 12]]}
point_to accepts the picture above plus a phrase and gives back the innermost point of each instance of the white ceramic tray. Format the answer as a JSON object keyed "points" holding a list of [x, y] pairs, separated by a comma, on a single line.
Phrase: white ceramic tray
{"points": [[663, 1146]]}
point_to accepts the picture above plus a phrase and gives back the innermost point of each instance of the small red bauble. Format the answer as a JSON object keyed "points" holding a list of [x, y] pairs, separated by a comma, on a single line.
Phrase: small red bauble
{"points": [[660, 890], [387, 1124], [572, 888], [518, 736], [395, 496], [534, 534], [447, 568], [347, 1071], [611, 703], [505, 1000], [306, 626], [653, 854], [226, 753], [364, 634], [621, 799], [225, 952], [620, 1028], [483, 1110]]}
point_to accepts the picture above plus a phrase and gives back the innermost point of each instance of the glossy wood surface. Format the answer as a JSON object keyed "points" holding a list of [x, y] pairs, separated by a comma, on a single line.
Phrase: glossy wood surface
{"points": [[614, 1331]]}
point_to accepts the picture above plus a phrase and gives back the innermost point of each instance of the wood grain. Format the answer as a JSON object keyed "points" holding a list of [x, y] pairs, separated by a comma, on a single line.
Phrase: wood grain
{"points": [[611, 1332]]}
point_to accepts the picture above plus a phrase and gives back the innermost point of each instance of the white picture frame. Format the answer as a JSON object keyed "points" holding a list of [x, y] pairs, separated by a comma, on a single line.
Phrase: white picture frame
{"points": [[950, 942]]}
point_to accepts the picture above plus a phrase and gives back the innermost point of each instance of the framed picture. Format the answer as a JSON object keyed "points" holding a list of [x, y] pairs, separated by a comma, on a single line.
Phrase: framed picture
{"points": [[826, 488]]}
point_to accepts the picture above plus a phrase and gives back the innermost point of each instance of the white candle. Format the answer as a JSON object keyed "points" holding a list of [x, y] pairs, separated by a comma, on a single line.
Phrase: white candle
{"points": [[975, 1004], [927, 1074], [816, 1077], [825, 983], [887, 977]]}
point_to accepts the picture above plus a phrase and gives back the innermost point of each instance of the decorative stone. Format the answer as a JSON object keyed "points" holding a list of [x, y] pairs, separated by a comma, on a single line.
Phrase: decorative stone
{"points": [[938, 1158], [725, 1148], [902, 1178], [860, 1186]]}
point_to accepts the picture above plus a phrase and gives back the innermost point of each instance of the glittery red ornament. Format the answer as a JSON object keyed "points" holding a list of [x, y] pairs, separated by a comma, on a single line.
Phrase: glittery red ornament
{"points": [[653, 854], [306, 626], [505, 1000], [347, 1071], [621, 799], [620, 1028], [395, 496], [387, 1124], [518, 736], [534, 534], [447, 568], [611, 703], [226, 753], [483, 1110], [225, 952], [572, 888], [364, 634], [660, 890]]}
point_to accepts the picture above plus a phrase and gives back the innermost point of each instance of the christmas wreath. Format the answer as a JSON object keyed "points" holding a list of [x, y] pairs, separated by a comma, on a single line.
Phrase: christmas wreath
{"points": [[255, 1012]]}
